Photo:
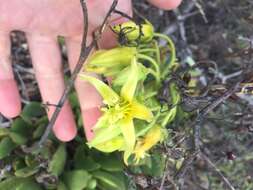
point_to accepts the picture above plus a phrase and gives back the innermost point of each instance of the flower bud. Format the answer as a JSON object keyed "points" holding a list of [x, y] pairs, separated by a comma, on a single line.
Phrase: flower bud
{"points": [[133, 32]]}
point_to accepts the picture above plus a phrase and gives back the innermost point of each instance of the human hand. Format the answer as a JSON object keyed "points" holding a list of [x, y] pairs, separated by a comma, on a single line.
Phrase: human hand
{"points": [[43, 21]]}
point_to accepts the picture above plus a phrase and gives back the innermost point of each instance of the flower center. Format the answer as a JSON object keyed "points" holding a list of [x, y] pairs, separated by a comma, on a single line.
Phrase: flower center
{"points": [[119, 111]]}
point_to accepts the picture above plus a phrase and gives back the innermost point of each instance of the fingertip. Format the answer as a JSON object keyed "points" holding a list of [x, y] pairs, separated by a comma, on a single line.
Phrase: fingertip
{"points": [[65, 127], [166, 4], [90, 118], [10, 104]]}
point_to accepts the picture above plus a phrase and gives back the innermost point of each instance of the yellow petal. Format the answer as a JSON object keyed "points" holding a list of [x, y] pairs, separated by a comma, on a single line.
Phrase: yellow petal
{"points": [[140, 111], [128, 90], [113, 57], [109, 96], [128, 131], [112, 145], [104, 134]]}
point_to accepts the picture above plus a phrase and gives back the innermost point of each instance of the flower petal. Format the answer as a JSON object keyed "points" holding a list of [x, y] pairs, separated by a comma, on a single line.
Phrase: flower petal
{"points": [[128, 131], [112, 145], [104, 134], [140, 111], [128, 90], [109, 96]]}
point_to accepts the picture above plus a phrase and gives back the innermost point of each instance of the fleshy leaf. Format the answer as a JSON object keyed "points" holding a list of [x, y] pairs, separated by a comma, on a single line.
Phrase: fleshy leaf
{"points": [[108, 180], [56, 165], [128, 90], [109, 96], [77, 179]]}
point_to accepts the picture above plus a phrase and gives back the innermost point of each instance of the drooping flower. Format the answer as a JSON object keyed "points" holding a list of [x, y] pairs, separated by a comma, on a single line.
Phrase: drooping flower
{"points": [[110, 62], [118, 114], [154, 135]]}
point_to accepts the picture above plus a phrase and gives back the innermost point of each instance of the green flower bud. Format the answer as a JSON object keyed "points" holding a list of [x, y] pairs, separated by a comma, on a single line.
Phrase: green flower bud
{"points": [[131, 32]]}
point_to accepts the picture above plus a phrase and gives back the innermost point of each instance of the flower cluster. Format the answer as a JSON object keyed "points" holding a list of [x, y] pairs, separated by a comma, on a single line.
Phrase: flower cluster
{"points": [[132, 119]]}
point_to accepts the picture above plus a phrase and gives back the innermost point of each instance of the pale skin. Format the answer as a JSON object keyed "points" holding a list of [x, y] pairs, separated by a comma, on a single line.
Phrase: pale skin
{"points": [[43, 21]]}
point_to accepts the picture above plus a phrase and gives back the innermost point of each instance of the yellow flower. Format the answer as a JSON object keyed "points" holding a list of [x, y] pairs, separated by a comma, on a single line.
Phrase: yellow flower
{"points": [[154, 135], [119, 112]]}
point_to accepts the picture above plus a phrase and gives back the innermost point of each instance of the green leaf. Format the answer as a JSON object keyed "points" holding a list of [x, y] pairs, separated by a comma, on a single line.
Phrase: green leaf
{"points": [[77, 179], [61, 186], [109, 181], [4, 131], [27, 171], [6, 146], [38, 131], [92, 184], [110, 162], [83, 161], [11, 183], [18, 163], [29, 185], [18, 138], [157, 165], [16, 183], [73, 100], [58, 161], [31, 110], [87, 164], [20, 131]]}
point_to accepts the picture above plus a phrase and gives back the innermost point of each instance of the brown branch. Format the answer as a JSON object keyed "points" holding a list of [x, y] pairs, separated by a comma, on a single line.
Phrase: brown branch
{"points": [[203, 113], [224, 179], [186, 164], [85, 51]]}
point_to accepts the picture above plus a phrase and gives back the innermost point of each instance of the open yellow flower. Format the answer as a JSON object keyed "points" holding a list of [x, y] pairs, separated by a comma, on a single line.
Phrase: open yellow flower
{"points": [[154, 135], [119, 112]]}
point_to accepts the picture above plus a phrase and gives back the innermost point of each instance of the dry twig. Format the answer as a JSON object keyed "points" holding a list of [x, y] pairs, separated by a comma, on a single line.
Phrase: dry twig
{"points": [[224, 179]]}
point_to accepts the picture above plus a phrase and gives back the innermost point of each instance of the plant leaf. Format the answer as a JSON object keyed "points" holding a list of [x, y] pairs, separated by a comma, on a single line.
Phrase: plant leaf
{"points": [[112, 182], [6, 146], [58, 161], [77, 179]]}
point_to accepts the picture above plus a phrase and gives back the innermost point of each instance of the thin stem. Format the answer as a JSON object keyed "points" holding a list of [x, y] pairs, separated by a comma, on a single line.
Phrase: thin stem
{"points": [[158, 55], [173, 53], [175, 101], [153, 62], [152, 72], [147, 50]]}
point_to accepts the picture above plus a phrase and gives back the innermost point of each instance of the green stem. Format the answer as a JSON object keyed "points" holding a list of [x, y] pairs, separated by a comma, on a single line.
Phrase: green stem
{"points": [[175, 97], [153, 62], [152, 72], [147, 50], [173, 53], [158, 55], [150, 95]]}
